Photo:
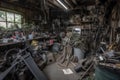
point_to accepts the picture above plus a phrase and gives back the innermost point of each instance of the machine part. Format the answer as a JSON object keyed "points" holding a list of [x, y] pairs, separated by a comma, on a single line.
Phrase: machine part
{"points": [[11, 55], [24, 56], [110, 54], [44, 59], [38, 74], [50, 58], [114, 66], [69, 56], [21, 75], [5, 73], [66, 56], [80, 66], [62, 58], [86, 71], [38, 55]]}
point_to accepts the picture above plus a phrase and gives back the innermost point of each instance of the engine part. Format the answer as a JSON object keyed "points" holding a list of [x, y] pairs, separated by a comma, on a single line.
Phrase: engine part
{"points": [[34, 68], [5, 73], [50, 58]]}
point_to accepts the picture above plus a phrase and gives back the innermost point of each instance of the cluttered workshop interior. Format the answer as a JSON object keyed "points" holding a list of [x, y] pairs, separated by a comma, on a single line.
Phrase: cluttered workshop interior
{"points": [[59, 39]]}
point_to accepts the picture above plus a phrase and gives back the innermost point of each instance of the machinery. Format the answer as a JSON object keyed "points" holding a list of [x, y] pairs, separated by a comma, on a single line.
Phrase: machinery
{"points": [[20, 65]]}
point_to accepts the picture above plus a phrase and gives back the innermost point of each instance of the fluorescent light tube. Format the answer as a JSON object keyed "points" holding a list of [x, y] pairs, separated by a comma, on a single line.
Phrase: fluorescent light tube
{"points": [[62, 4]]}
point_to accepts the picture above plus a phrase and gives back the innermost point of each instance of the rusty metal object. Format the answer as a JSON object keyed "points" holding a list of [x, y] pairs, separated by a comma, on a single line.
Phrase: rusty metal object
{"points": [[66, 56], [114, 66], [50, 58], [86, 71]]}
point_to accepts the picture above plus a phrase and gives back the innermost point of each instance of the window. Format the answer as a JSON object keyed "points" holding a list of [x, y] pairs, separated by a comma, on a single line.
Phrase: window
{"points": [[9, 20]]}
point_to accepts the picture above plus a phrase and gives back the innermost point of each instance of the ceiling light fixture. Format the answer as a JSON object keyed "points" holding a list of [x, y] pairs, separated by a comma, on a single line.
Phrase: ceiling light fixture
{"points": [[63, 4]]}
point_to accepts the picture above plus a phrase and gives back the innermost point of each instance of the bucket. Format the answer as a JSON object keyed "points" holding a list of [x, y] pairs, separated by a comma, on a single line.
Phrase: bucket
{"points": [[56, 47], [78, 53]]}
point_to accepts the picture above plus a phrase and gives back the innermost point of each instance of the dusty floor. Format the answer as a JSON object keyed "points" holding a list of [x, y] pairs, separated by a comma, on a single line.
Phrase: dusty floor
{"points": [[55, 72]]}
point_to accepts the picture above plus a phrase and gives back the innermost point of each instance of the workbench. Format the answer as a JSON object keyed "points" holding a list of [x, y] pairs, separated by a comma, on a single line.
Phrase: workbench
{"points": [[6, 46]]}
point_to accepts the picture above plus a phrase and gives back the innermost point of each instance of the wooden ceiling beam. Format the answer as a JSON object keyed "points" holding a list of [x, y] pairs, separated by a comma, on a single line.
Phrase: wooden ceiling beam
{"points": [[68, 3], [20, 5], [74, 1], [52, 4]]}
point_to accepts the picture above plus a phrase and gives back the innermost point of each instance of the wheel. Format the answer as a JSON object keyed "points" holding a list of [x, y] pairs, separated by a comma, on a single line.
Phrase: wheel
{"points": [[11, 55]]}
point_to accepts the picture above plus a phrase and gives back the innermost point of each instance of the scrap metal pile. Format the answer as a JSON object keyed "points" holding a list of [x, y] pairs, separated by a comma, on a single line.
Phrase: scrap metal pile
{"points": [[100, 47], [23, 64]]}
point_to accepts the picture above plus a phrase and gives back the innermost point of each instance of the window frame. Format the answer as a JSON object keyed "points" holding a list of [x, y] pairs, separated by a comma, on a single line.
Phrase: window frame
{"points": [[14, 21]]}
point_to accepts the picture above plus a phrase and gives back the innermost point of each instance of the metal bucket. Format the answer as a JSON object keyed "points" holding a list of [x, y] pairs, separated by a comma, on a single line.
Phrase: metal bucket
{"points": [[78, 53], [56, 47]]}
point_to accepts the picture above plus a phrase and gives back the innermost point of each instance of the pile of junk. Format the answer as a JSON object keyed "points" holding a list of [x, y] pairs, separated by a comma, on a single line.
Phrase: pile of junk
{"points": [[88, 60], [92, 57]]}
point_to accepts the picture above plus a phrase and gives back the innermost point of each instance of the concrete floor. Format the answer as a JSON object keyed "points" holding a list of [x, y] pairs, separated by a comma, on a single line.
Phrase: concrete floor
{"points": [[55, 72]]}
